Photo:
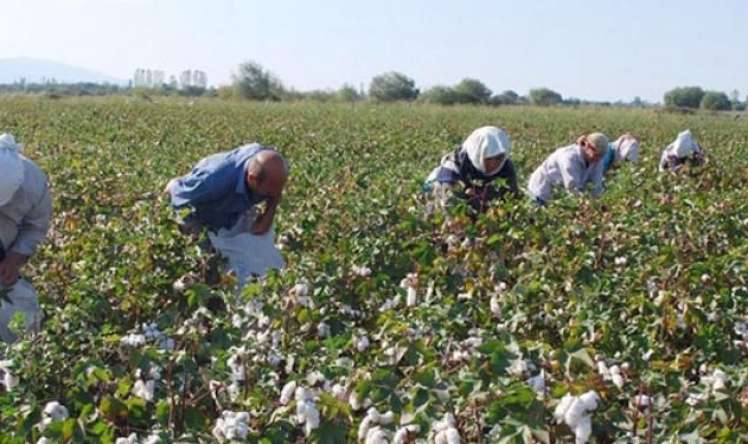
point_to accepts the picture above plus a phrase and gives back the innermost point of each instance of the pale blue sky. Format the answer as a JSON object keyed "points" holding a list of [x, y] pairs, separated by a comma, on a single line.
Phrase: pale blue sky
{"points": [[601, 49]]}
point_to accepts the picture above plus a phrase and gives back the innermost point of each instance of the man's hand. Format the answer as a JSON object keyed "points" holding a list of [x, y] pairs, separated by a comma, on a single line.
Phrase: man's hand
{"points": [[263, 223], [10, 267], [167, 189]]}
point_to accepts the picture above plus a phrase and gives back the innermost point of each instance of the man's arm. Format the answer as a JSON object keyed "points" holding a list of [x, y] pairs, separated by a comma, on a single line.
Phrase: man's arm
{"points": [[195, 188], [263, 223], [569, 174]]}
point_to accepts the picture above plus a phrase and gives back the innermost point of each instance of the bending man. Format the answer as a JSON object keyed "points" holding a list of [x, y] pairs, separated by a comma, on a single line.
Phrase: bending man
{"points": [[223, 191]]}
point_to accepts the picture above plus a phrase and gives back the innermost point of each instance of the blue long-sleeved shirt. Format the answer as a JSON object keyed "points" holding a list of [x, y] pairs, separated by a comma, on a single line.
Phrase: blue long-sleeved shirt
{"points": [[216, 188]]}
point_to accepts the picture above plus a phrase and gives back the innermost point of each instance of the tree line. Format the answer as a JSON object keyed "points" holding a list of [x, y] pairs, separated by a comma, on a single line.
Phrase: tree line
{"points": [[251, 81]]}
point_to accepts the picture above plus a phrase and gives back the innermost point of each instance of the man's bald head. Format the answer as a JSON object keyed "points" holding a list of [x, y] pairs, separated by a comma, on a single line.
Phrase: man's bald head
{"points": [[267, 173]]}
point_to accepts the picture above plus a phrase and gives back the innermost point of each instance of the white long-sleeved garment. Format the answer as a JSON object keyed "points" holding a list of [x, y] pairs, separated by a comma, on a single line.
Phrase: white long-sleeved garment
{"points": [[24, 220], [565, 168]]}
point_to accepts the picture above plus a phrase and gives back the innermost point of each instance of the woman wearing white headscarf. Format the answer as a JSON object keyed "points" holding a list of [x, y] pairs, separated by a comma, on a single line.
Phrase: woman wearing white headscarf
{"points": [[571, 167], [482, 158], [25, 212], [683, 150], [624, 149]]}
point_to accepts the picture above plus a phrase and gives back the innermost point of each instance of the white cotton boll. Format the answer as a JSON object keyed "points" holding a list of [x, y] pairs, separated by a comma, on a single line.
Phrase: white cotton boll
{"points": [[642, 401], [648, 355], [495, 306], [144, 390], [362, 343], [452, 435], [287, 392], [300, 290], [589, 400], [403, 434], [303, 394], [44, 440], [387, 418], [575, 413], [10, 381], [560, 412], [441, 437], [311, 420], [410, 300], [466, 296], [616, 377], [338, 391], [275, 360], [705, 278], [152, 439], [314, 378], [447, 421], [323, 330], [719, 380], [237, 367], [603, 370], [355, 402], [621, 261], [537, 383], [583, 430], [55, 411], [362, 271], [519, 367], [363, 428], [133, 340], [234, 390], [741, 329], [501, 287], [131, 439], [377, 435]]}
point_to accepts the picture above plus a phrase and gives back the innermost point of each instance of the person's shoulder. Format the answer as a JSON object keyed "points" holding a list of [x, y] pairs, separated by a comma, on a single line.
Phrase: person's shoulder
{"points": [[32, 171]]}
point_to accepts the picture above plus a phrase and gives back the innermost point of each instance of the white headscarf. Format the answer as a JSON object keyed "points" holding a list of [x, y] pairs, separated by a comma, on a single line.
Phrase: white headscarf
{"points": [[485, 143], [626, 148], [11, 168], [683, 146]]}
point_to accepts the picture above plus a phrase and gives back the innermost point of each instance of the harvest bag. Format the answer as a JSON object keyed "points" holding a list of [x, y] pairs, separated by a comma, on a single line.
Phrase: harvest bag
{"points": [[22, 298], [248, 255]]}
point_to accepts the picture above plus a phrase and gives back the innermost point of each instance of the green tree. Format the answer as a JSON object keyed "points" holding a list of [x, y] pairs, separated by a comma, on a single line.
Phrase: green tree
{"points": [[684, 97], [472, 91], [508, 97], [716, 101], [348, 93], [392, 86], [441, 95], [545, 97], [254, 82]]}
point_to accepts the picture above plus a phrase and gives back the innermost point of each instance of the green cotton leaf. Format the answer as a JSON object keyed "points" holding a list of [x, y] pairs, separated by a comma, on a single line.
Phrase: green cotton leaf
{"points": [[331, 433], [113, 408], [162, 412], [194, 419], [583, 355]]}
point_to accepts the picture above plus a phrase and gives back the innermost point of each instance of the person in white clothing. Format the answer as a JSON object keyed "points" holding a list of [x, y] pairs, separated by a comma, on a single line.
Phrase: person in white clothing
{"points": [[571, 167], [684, 150], [25, 213]]}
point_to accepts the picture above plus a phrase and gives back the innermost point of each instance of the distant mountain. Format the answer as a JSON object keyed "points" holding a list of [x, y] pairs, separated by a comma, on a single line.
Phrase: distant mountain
{"points": [[38, 70]]}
